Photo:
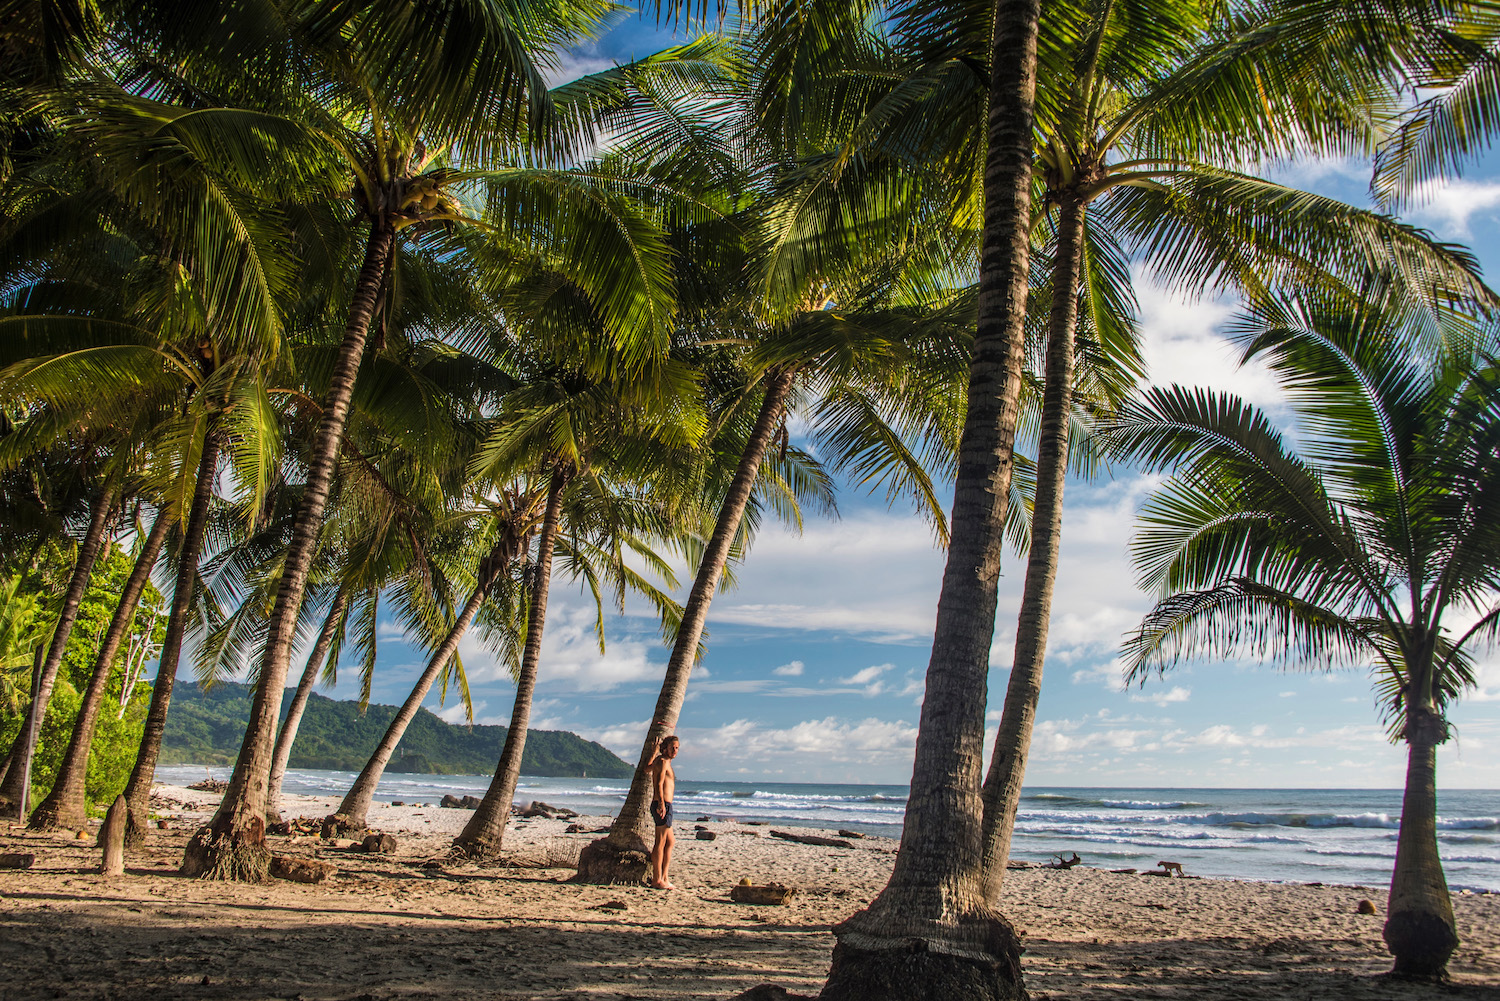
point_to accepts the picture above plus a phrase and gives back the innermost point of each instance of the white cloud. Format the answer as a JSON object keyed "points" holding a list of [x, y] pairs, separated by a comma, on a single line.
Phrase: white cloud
{"points": [[1449, 205], [791, 670], [1175, 694], [570, 654]]}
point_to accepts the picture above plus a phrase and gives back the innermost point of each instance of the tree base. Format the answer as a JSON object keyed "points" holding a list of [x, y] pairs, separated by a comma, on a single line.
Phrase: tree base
{"points": [[245, 859], [473, 851], [47, 818], [603, 863], [1421, 943], [911, 971], [770, 992]]}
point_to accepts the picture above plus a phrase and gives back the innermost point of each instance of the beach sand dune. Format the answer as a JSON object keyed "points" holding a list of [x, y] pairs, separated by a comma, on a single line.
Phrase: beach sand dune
{"points": [[386, 927]]}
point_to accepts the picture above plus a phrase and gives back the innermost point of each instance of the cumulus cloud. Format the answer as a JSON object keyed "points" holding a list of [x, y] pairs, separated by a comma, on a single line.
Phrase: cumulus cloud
{"points": [[791, 670], [866, 680], [570, 655], [1174, 694], [1449, 205]]}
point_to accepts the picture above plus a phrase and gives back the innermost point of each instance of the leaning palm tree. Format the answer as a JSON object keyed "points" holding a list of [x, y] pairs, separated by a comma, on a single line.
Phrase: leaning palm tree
{"points": [[1360, 546]]}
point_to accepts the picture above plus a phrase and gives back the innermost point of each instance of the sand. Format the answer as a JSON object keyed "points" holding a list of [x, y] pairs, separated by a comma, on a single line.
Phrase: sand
{"points": [[385, 927]]}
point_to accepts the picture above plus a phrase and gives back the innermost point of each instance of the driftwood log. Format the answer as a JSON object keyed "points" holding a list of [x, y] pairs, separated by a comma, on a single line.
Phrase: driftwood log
{"points": [[808, 839], [767, 893], [1063, 863]]}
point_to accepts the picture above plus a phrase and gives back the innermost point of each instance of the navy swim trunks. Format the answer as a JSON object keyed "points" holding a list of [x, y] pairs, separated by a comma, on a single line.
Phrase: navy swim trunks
{"points": [[661, 813]]}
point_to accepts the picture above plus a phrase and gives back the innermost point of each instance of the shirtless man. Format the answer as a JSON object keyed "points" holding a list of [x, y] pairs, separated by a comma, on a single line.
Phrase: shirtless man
{"points": [[663, 784]]}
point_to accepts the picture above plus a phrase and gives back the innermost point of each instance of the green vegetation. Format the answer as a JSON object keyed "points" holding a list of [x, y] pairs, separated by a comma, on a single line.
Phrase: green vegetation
{"points": [[206, 728]]}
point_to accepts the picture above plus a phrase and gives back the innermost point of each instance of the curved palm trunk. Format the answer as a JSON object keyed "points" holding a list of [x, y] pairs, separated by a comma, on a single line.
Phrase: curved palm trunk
{"points": [[620, 856], [65, 805], [356, 802], [138, 789], [293, 720], [1419, 929], [17, 788], [931, 934], [234, 845], [483, 834], [1002, 786]]}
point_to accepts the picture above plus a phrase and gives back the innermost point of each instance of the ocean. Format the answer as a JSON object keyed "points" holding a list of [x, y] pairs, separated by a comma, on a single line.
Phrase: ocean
{"points": [[1281, 835]]}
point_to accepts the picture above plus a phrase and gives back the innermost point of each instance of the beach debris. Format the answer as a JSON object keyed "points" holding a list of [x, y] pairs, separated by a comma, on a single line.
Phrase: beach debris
{"points": [[1366, 907], [1169, 869], [336, 824], [850, 834], [1124, 872], [398, 802], [300, 870], [611, 905], [81, 836], [342, 843], [706, 836], [17, 860], [112, 838], [1016, 863], [164, 825], [810, 839], [766, 893], [757, 823], [746, 881], [379, 844], [702, 819], [1063, 863], [209, 784]]}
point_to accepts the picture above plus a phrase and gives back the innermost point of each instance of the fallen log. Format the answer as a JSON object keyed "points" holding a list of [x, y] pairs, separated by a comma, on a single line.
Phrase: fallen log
{"points": [[809, 839], [1063, 863]]}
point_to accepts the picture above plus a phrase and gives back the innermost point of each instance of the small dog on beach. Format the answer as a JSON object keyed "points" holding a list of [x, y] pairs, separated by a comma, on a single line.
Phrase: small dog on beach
{"points": [[1174, 868]]}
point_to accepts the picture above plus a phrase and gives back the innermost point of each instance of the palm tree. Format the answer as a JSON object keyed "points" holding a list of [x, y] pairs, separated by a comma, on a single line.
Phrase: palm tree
{"points": [[1118, 174], [1351, 549], [828, 280], [65, 805]]}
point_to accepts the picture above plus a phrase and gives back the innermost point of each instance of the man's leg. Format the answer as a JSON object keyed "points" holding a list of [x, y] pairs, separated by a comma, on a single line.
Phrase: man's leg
{"points": [[656, 867], [667, 839]]}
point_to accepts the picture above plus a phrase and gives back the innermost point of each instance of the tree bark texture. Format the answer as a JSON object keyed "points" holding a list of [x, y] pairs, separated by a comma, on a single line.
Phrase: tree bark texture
{"points": [[65, 805], [288, 734], [138, 788], [234, 847], [931, 934], [356, 803], [633, 827], [485, 831], [1002, 786], [1420, 929], [16, 790]]}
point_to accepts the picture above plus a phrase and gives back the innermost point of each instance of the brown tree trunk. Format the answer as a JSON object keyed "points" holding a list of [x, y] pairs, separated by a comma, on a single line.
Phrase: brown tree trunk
{"points": [[356, 803], [65, 805], [1419, 929], [620, 856], [931, 934], [138, 789], [234, 847], [16, 791], [293, 720], [1002, 786], [483, 834]]}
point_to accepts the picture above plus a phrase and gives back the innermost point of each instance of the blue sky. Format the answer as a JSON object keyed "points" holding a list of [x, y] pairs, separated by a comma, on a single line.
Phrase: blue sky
{"points": [[815, 662]]}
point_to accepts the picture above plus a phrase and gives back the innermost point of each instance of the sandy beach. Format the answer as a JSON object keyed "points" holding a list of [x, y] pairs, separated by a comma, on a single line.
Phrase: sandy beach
{"points": [[388, 927]]}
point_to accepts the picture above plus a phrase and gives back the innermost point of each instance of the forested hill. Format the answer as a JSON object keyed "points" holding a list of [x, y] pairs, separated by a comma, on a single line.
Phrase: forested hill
{"points": [[206, 727]]}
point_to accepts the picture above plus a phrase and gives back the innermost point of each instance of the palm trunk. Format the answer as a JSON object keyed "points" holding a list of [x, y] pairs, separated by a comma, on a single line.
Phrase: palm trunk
{"points": [[1002, 787], [234, 845], [65, 806], [294, 711], [483, 834], [138, 789], [17, 788], [1419, 929], [930, 934], [621, 856], [356, 803], [39, 655]]}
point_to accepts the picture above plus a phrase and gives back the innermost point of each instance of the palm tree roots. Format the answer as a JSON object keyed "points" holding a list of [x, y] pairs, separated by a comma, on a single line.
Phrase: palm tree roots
{"points": [[243, 859], [1421, 943], [912, 971]]}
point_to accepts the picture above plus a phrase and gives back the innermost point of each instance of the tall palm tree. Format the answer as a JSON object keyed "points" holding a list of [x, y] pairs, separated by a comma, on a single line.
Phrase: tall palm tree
{"points": [[1119, 172], [65, 805], [1356, 547]]}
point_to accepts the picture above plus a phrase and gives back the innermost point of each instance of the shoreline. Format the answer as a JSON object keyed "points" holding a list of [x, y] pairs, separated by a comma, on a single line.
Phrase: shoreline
{"points": [[388, 927]]}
